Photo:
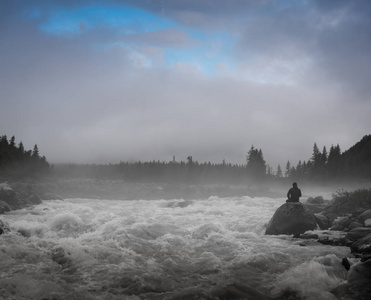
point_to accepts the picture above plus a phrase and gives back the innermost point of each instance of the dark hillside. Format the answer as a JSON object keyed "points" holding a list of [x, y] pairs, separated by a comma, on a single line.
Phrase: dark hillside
{"points": [[357, 159], [18, 163]]}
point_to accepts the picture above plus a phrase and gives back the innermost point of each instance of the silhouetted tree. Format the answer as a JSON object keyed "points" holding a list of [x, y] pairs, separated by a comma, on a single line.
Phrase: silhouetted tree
{"points": [[12, 142], [288, 169], [279, 171], [35, 152], [256, 167], [16, 162], [269, 170], [315, 161], [334, 161]]}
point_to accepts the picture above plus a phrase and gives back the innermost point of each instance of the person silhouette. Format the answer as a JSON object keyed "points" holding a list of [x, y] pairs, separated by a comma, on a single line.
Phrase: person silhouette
{"points": [[294, 193]]}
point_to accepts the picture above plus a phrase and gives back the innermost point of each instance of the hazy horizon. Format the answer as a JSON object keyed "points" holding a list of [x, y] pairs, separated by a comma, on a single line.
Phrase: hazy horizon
{"points": [[121, 80]]}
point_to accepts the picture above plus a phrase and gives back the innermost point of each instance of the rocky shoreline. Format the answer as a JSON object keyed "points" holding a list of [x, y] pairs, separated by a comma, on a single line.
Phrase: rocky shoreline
{"points": [[24, 195], [337, 223], [343, 225]]}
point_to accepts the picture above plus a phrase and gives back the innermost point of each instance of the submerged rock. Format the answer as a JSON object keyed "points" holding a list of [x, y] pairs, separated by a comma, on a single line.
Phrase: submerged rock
{"points": [[236, 291], [60, 256], [334, 238], [4, 227], [345, 262], [291, 218], [51, 196], [33, 199]]}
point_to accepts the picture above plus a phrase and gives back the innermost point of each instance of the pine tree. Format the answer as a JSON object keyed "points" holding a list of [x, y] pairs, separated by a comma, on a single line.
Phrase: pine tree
{"points": [[35, 152], [20, 149], [316, 156], [288, 169], [316, 161], [334, 161], [269, 170], [279, 171], [12, 142], [324, 156], [299, 169], [256, 167]]}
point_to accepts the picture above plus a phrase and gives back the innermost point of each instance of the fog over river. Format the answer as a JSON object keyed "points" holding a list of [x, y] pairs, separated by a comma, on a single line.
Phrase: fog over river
{"points": [[159, 249]]}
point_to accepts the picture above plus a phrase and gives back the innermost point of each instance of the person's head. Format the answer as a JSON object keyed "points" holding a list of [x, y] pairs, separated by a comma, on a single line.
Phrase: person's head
{"points": [[295, 185]]}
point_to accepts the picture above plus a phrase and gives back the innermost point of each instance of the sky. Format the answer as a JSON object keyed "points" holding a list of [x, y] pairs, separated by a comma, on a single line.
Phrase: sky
{"points": [[128, 80]]}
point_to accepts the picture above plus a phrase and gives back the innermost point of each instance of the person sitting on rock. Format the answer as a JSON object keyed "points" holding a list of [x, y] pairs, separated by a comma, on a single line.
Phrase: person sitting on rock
{"points": [[294, 193]]}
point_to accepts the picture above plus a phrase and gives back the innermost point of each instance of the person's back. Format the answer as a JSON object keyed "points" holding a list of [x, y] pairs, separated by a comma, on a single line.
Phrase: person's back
{"points": [[294, 193]]}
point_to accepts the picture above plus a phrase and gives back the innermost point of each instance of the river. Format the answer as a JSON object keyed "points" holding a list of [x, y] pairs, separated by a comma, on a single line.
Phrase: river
{"points": [[160, 249]]}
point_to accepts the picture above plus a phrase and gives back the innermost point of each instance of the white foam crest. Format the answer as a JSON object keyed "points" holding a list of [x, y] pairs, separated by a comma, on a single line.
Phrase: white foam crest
{"points": [[67, 224], [314, 279]]}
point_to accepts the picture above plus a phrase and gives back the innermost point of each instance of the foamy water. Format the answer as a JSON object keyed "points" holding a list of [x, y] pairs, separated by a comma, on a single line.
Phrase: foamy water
{"points": [[158, 249]]}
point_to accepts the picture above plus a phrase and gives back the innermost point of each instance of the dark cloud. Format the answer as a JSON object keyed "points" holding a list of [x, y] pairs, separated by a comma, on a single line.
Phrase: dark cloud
{"points": [[344, 50]]}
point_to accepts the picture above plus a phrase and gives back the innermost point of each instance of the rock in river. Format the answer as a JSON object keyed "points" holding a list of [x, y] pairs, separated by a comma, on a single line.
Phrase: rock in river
{"points": [[291, 218], [362, 245]]}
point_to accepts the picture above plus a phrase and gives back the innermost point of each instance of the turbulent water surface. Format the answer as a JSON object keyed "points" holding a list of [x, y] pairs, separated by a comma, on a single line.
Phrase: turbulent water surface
{"points": [[159, 249]]}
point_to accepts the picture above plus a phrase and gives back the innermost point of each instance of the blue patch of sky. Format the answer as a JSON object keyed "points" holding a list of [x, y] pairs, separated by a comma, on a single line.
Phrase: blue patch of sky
{"points": [[33, 13], [209, 49], [126, 19]]}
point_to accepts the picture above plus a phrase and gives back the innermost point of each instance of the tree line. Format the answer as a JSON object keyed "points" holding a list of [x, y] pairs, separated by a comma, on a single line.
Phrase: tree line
{"points": [[332, 165], [16, 162], [188, 171], [321, 166]]}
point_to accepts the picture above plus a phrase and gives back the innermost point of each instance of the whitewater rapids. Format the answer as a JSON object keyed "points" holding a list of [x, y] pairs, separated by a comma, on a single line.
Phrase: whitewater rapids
{"points": [[158, 249]]}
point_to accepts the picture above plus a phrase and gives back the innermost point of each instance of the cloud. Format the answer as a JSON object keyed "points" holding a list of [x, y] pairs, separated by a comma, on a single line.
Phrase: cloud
{"points": [[167, 38], [211, 79]]}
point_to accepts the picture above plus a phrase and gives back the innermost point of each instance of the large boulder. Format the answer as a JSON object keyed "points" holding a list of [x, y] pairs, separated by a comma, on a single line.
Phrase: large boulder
{"points": [[322, 221], [316, 200], [364, 216], [7, 194], [358, 233], [291, 218], [4, 207], [33, 199], [315, 208], [354, 225], [10, 197], [363, 245], [359, 280], [344, 221], [5, 187]]}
